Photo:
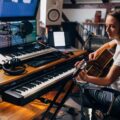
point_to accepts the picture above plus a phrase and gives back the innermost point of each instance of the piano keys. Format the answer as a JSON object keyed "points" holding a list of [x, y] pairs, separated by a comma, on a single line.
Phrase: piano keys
{"points": [[25, 52], [35, 85], [26, 56]]}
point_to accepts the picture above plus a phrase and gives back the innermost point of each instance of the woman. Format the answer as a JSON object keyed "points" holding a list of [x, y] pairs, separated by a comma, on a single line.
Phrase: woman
{"points": [[100, 99]]}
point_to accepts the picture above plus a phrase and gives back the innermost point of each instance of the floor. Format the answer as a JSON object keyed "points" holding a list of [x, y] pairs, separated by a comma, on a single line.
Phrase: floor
{"points": [[71, 111]]}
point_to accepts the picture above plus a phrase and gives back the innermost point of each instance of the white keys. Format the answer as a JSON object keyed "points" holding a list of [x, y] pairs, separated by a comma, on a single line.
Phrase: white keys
{"points": [[47, 83], [35, 54], [27, 55], [2, 59]]}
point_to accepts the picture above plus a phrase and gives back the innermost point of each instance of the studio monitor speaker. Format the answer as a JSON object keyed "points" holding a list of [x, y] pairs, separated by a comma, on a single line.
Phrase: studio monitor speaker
{"points": [[51, 12]]}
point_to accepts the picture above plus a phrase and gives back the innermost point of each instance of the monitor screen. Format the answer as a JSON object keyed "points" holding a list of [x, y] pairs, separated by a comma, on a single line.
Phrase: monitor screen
{"points": [[12, 10], [12, 34], [17, 37]]}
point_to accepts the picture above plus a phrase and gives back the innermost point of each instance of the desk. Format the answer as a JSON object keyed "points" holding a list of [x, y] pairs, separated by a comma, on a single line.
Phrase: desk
{"points": [[31, 110], [26, 112]]}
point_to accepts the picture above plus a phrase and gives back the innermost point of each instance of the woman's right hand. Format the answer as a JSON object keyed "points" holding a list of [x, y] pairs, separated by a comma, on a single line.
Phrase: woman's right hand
{"points": [[93, 55]]}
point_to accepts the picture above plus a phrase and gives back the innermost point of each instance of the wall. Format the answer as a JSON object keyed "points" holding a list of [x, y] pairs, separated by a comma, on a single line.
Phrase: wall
{"points": [[91, 1], [85, 9], [80, 15]]}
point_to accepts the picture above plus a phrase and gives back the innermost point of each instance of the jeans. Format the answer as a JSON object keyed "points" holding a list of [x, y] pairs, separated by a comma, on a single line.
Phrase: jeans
{"points": [[99, 99]]}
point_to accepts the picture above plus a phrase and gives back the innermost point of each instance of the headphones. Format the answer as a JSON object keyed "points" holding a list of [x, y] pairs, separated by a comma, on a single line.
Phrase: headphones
{"points": [[13, 67]]}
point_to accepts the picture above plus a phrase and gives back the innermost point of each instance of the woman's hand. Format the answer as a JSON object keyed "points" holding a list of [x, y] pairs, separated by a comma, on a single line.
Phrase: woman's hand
{"points": [[82, 77], [82, 74], [93, 55], [77, 64]]}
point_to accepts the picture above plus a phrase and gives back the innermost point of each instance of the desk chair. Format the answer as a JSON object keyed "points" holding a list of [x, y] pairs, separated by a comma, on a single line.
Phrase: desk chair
{"points": [[98, 114]]}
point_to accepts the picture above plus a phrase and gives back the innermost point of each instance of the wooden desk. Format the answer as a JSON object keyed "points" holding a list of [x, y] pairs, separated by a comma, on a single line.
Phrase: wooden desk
{"points": [[29, 111]]}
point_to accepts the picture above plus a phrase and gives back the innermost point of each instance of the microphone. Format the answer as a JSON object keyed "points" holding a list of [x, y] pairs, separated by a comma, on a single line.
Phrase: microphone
{"points": [[81, 67], [25, 28]]}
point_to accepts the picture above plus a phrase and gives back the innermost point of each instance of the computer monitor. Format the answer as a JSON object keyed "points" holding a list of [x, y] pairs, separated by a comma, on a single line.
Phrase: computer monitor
{"points": [[17, 37], [14, 10], [13, 35], [18, 22]]}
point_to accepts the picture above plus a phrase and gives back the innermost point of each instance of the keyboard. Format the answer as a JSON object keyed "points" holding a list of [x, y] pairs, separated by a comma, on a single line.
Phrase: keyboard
{"points": [[35, 54], [45, 59], [26, 54], [34, 86]]}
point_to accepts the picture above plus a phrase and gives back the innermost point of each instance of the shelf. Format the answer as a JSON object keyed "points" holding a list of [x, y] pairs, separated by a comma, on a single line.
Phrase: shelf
{"points": [[96, 28], [91, 23]]}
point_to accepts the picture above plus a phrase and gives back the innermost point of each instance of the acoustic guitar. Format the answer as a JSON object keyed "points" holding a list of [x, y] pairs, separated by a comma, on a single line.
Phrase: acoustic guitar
{"points": [[98, 67], [101, 65]]}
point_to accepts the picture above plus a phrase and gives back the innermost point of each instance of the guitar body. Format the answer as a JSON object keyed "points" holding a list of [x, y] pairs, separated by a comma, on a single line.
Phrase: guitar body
{"points": [[101, 65]]}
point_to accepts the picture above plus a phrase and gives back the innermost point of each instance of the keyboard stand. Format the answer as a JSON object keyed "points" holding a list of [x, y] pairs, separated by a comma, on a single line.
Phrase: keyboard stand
{"points": [[51, 116], [73, 83]]}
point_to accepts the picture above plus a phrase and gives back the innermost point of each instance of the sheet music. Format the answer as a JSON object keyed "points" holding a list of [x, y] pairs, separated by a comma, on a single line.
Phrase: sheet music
{"points": [[59, 39]]}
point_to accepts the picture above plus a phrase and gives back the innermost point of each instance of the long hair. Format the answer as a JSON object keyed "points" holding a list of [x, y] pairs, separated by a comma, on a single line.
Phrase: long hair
{"points": [[115, 14]]}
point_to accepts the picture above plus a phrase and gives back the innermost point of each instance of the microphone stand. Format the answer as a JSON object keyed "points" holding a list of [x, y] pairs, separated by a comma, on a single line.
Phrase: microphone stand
{"points": [[82, 87], [90, 35]]}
